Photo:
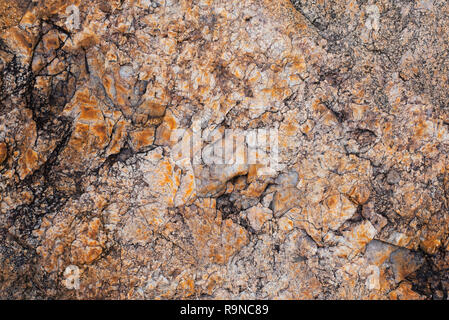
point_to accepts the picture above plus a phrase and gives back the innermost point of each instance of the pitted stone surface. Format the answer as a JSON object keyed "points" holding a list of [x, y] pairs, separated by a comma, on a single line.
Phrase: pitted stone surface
{"points": [[97, 201]]}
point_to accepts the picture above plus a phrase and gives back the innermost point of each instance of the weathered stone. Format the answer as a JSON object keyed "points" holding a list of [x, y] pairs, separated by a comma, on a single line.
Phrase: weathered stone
{"points": [[3, 152]]}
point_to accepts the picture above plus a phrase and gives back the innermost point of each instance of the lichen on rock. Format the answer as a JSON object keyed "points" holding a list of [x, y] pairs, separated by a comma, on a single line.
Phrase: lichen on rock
{"points": [[224, 149]]}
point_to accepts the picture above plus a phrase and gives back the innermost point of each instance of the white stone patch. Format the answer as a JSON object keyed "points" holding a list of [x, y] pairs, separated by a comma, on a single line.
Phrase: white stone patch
{"points": [[72, 277], [187, 187], [425, 5], [126, 72], [372, 21]]}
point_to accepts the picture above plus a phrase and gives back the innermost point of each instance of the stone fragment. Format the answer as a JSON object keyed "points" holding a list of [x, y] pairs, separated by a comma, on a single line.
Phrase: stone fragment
{"points": [[3, 152], [257, 217], [224, 149]]}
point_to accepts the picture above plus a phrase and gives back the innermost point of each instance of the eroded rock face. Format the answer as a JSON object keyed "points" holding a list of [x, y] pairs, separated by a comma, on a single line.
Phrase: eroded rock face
{"points": [[348, 201]]}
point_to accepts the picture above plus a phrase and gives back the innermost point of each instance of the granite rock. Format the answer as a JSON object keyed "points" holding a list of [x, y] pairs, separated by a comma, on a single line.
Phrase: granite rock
{"points": [[348, 198]]}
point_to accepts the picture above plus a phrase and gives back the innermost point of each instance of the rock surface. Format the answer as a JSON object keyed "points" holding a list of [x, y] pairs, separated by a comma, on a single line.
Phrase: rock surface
{"points": [[98, 201]]}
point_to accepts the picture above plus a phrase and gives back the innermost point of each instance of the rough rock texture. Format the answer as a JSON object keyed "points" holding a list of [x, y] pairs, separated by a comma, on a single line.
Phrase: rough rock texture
{"points": [[96, 201]]}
